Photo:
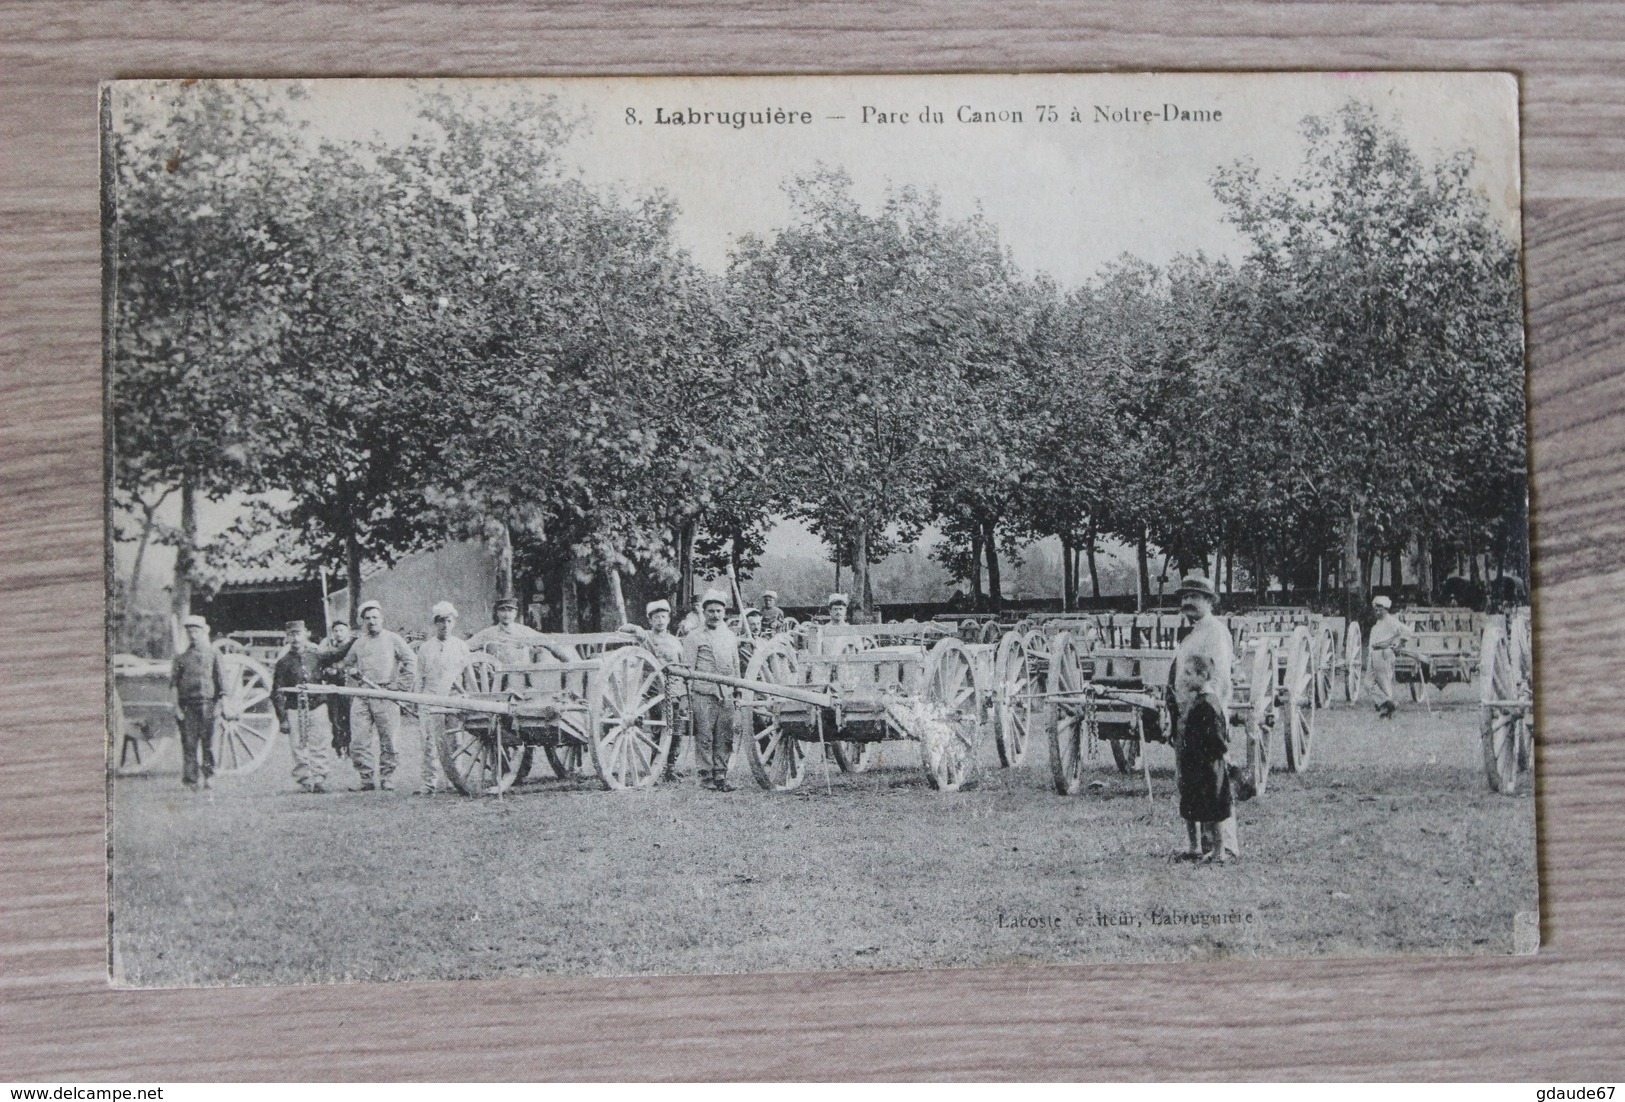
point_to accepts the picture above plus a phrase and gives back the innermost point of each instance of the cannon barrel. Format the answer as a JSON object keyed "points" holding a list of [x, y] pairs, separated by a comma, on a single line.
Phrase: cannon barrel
{"points": [[814, 697], [525, 708]]}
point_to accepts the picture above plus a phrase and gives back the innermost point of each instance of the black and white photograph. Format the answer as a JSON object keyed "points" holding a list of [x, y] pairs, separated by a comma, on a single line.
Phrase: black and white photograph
{"points": [[622, 526]]}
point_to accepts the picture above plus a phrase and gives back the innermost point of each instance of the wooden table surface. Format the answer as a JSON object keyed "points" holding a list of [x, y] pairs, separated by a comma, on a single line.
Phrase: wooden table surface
{"points": [[1558, 1016]]}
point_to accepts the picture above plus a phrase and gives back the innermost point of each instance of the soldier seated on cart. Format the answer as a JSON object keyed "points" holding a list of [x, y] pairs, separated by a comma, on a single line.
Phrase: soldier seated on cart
{"points": [[771, 613], [506, 640]]}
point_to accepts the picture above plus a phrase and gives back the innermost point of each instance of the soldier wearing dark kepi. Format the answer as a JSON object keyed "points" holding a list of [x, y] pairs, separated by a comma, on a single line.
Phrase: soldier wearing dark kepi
{"points": [[712, 649], [301, 665], [772, 614], [198, 676], [338, 709], [507, 641]]}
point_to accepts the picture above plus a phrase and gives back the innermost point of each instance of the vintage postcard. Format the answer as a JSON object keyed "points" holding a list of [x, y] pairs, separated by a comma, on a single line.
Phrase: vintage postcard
{"points": [[618, 526]]}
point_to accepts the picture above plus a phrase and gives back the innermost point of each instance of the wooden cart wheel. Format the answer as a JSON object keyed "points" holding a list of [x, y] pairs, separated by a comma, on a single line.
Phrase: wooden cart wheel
{"points": [[243, 743], [1353, 663], [479, 753], [1037, 647], [853, 757], [1012, 699], [1503, 713], [1067, 735], [1325, 665], [948, 748], [1297, 696], [778, 759], [990, 633], [1260, 713], [628, 729]]}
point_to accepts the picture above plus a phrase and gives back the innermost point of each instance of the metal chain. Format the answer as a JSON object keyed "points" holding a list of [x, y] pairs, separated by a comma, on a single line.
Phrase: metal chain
{"points": [[1091, 726]]}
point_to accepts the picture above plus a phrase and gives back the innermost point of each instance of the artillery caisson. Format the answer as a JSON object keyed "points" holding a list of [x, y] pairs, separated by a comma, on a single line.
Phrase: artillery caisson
{"points": [[855, 687], [579, 697]]}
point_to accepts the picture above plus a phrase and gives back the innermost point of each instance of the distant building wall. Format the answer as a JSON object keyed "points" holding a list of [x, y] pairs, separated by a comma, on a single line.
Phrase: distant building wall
{"points": [[462, 573]]}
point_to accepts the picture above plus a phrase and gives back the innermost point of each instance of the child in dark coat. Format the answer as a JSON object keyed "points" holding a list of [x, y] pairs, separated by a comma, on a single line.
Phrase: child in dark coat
{"points": [[1205, 801]]}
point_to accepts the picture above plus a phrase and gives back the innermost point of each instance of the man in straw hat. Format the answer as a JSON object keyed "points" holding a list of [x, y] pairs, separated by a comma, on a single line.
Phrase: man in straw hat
{"points": [[307, 729], [712, 649], [1388, 635], [441, 660], [199, 678], [1206, 655]]}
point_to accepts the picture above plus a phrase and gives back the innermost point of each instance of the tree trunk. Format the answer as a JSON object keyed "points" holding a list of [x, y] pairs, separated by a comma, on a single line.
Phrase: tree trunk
{"points": [[1141, 554], [186, 552], [860, 571], [1069, 575], [569, 613], [734, 559], [352, 567], [504, 578], [133, 590], [685, 567], [995, 585], [1261, 578], [1091, 539], [1229, 572], [1349, 574], [977, 600]]}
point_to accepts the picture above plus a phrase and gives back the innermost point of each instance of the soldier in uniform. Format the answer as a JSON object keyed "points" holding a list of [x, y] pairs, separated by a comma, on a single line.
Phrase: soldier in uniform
{"points": [[441, 659], [712, 649], [659, 641], [300, 666], [379, 659], [838, 606], [338, 708], [772, 614], [1388, 635], [507, 640], [198, 676]]}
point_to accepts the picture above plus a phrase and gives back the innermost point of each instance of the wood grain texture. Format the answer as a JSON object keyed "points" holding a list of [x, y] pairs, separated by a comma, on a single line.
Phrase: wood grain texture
{"points": [[1559, 1015]]}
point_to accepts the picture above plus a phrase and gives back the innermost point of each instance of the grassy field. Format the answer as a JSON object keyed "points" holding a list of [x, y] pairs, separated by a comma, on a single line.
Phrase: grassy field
{"points": [[1391, 842]]}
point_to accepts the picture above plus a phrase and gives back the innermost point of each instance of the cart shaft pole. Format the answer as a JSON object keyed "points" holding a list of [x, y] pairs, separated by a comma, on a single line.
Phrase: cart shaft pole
{"points": [[766, 688]]}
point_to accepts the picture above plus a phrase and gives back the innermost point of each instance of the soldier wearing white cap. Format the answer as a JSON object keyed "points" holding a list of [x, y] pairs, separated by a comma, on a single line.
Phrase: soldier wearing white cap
{"points": [[1388, 635], [838, 606], [441, 660], [198, 676], [381, 660], [712, 649]]}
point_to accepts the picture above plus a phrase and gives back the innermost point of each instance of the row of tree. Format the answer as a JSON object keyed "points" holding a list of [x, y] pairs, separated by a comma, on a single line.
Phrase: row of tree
{"points": [[405, 342]]}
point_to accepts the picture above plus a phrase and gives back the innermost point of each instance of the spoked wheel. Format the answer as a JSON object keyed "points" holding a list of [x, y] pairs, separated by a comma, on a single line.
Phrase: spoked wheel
{"points": [[1297, 696], [480, 754], [243, 742], [1012, 699], [628, 728], [778, 758], [1037, 648], [1325, 666], [1067, 734], [1126, 754], [990, 633], [948, 742], [1353, 663], [1260, 714], [1505, 706], [854, 757]]}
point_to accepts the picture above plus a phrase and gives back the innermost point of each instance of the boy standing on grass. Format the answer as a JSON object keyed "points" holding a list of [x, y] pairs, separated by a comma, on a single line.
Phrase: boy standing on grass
{"points": [[1205, 801]]}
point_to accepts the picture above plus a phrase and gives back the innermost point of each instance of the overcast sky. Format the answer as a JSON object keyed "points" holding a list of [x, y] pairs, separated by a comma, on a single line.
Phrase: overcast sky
{"points": [[1066, 196]]}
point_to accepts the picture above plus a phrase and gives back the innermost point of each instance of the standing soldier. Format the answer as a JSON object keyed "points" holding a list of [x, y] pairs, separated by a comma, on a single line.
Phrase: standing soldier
{"points": [[1388, 635], [441, 659], [507, 641], [199, 678], [381, 660], [301, 666], [712, 649], [338, 708], [837, 608], [772, 615], [665, 646]]}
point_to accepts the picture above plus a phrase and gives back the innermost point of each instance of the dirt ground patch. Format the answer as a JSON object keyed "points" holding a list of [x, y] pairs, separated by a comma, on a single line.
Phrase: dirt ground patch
{"points": [[1391, 842]]}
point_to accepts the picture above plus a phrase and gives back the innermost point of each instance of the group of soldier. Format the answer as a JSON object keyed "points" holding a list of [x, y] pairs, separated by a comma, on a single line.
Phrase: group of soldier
{"points": [[363, 724]]}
